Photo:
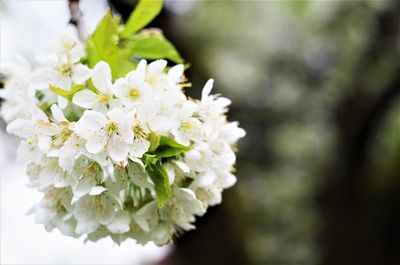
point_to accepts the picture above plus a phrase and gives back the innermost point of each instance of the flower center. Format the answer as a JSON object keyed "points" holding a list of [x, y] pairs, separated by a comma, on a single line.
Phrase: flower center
{"points": [[64, 69], [92, 172], [69, 45], [111, 128], [134, 93], [97, 203], [103, 98], [139, 131], [186, 125], [152, 80]]}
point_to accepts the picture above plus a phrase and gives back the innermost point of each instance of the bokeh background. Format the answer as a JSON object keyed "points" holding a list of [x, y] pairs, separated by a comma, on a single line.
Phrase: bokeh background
{"points": [[316, 85]]}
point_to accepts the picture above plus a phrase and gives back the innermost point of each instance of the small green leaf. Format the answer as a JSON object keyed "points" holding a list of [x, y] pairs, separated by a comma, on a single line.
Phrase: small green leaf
{"points": [[149, 159], [66, 93], [161, 183], [154, 140], [169, 147], [143, 14], [102, 45], [154, 47]]}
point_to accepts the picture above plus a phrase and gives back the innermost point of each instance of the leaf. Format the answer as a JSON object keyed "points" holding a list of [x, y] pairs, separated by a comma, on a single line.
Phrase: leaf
{"points": [[149, 159], [161, 182], [154, 140], [102, 45], [143, 14], [169, 147], [67, 93], [154, 47]]}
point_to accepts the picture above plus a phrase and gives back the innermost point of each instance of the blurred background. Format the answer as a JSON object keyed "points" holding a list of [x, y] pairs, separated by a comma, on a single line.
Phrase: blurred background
{"points": [[316, 85]]}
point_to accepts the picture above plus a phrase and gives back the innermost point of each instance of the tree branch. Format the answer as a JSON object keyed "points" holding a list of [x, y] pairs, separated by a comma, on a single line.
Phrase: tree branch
{"points": [[76, 16]]}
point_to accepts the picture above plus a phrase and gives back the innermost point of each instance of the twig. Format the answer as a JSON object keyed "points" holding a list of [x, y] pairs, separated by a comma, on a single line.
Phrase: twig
{"points": [[76, 15]]}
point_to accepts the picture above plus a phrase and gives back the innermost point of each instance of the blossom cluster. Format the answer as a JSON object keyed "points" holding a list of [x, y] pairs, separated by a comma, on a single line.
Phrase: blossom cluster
{"points": [[128, 157]]}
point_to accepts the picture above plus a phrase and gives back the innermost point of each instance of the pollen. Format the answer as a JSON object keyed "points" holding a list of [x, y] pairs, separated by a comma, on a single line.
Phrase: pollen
{"points": [[152, 80], [134, 93], [111, 128], [64, 69], [103, 98], [139, 131], [186, 125]]}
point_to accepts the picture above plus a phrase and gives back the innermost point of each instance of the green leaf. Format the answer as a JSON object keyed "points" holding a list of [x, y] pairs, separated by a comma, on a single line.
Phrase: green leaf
{"points": [[154, 140], [101, 45], [161, 182], [154, 47], [143, 14], [67, 93], [169, 147], [149, 159]]}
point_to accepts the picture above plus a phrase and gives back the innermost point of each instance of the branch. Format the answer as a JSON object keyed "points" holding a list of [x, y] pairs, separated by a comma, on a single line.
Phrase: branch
{"points": [[76, 16]]}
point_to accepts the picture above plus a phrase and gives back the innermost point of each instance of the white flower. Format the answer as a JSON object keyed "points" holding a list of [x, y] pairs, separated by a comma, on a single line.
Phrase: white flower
{"points": [[92, 158], [183, 208], [93, 211], [55, 211], [121, 222], [18, 98], [132, 90], [102, 81], [111, 132], [62, 68], [90, 175], [211, 105], [187, 128]]}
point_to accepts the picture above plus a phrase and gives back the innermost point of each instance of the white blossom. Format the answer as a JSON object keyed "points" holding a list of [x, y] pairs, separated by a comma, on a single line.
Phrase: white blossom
{"points": [[127, 157]]}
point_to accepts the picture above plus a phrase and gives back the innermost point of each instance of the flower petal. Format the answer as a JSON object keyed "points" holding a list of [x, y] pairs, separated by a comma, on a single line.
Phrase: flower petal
{"points": [[120, 224], [117, 148], [86, 99], [102, 76], [81, 73]]}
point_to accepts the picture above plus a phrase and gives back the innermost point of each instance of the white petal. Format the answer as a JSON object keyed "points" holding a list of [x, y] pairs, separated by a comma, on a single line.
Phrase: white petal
{"points": [[206, 178], [182, 166], [117, 148], [120, 224], [62, 102], [90, 123], [188, 108], [108, 213], [94, 145], [86, 226], [141, 67], [97, 190], [119, 88], [57, 113], [85, 185], [156, 67], [148, 110], [21, 128], [86, 99], [228, 181], [38, 114], [139, 147], [43, 215], [44, 143], [118, 115], [176, 72], [207, 89], [102, 76], [81, 73]]}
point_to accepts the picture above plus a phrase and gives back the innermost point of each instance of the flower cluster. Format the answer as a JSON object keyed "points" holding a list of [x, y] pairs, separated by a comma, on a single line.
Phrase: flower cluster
{"points": [[127, 157]]}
